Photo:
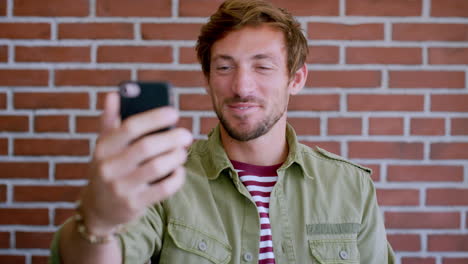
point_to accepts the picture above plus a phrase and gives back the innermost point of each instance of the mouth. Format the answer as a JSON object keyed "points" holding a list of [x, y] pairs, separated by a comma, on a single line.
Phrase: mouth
{"points": [[243, 108]]}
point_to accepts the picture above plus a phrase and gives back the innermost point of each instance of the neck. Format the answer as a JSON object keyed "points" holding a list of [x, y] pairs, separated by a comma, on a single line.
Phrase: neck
{"points": [[269, 149]]}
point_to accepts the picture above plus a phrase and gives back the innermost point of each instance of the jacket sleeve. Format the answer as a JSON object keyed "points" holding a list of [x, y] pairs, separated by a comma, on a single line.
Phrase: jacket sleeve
{"points": [[138, 243], [372, 239]]}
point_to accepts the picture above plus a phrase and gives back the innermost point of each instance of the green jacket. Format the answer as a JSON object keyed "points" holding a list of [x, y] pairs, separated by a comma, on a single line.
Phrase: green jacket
{"points": [[323, 209]]}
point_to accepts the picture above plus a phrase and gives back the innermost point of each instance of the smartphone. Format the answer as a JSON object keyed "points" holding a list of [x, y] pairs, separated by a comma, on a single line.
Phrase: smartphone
{"points": [[137, 97]]}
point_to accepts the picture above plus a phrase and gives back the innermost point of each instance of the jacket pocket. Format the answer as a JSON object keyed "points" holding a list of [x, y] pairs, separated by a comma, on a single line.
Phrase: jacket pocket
{"points": [[335, 250], [198, 242]]}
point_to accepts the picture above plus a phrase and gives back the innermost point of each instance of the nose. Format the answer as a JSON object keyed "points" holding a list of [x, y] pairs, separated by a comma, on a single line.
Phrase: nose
{"points": [[243, 82]]}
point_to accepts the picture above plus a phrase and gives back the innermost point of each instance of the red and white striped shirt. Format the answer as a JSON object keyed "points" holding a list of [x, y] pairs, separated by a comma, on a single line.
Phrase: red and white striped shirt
{"points": [[259, 181]]}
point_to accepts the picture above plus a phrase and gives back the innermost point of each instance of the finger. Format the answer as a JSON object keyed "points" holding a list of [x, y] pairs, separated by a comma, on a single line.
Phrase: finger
{"points": [[157, 168], [125, 162], [156, 144], [110, 119], [164, 189], [134, 127]]}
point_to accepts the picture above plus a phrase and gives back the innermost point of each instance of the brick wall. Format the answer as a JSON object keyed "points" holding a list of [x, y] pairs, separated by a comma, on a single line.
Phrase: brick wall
{"points": [[387, 87]]}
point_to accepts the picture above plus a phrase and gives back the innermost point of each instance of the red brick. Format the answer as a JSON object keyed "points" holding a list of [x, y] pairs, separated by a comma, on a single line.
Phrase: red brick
{"points": [[400, 197], [383, 55], [51, 147], [432, 220], [39, 259], [51, 100], [140, 8], [385, 102], [24, 170], [24, 216], [100, 100], [383, 8], [406, 242], [25, 30], [3, 53], [416, 260], [95, 31], [449, 8], [188, 55], [448, 197], [296, 7], [3, 7], [12, 259], [323, 54], [454, 260], [87, 124], [46, 193], [146, 54], [331, 146], [385, 126], [305, 125], [385, 150], [33, 239], [427, 79], [3, 102], [449, 103], [15, 123], [182, 31], [52, 54], [54, 8], [61, 215], [317, 31], [91, 77], [430, 32], [447, 243], [198, 8], [53, 123], [454, 150], [344, 79], [314, 102], [3, 146], [4, 239], [448, 55], [424, 173], [197, 102], [9, 77], [177, 78], [344, 126], [427, 126], [207, 124], [71, 171], [309, 8], [3, 193], [185, 122], [375, 171], [459, 126]]}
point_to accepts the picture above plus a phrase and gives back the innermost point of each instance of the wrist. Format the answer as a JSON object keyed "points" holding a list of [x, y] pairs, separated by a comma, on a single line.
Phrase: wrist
{"points": [[93, 232]]}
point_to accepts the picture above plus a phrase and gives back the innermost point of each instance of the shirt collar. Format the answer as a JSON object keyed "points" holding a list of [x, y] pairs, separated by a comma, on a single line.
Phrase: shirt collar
{"points": [[216, 159]]}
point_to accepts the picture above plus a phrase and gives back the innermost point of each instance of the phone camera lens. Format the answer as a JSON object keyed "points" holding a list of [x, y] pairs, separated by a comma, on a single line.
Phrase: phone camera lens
{"points": [[130, 90]]}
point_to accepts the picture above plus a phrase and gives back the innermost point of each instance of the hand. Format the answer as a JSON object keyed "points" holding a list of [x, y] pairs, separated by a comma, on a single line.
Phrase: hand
{"points": [[128, 171]]}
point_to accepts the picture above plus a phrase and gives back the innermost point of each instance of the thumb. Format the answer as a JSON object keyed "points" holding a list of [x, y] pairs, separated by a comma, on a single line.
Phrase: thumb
{"points": [[110, 118]]}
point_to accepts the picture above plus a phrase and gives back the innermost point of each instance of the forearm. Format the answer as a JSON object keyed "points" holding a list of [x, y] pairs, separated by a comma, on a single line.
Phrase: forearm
{"points": [[74, 249]]}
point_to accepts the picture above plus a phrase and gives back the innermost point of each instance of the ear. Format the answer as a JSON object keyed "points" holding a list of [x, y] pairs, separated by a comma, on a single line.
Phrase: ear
{"points": [[298, 80], [207, 84]]}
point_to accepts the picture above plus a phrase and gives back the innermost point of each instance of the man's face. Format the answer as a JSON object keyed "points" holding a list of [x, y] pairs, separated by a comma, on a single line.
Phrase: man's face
{"points": [[249, 82]]}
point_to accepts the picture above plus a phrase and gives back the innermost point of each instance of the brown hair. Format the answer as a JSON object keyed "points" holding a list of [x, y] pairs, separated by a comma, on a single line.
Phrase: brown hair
{"points": [[235, 14]]}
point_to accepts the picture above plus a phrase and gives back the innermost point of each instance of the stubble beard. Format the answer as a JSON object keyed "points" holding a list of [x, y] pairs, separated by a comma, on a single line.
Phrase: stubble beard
{"points": [[258, 130]]}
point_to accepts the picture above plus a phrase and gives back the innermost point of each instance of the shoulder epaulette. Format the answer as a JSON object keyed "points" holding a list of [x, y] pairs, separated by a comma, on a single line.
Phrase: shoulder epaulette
{"points": [[333, 156]]}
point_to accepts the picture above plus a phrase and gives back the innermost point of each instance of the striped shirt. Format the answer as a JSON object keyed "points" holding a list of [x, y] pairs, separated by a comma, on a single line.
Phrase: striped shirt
{"points": [[259, 181]]}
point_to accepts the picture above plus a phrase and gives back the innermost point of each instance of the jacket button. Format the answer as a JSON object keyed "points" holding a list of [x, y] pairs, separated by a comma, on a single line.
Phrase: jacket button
{"points": [[344, 255], [202, 245], [248, 256]]}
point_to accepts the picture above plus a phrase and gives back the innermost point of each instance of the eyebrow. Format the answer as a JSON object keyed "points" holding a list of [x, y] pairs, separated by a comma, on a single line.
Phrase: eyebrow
{"points": [[260, 56]]}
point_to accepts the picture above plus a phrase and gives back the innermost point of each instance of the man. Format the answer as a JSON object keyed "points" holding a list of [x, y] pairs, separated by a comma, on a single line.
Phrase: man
{"points": [[252, 193]]}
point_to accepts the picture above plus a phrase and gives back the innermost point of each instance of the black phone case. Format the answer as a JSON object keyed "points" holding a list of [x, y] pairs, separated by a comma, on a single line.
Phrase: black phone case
{"points": [[151, 95]]}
